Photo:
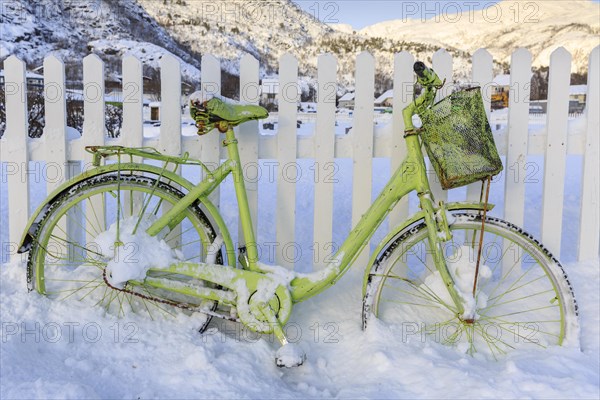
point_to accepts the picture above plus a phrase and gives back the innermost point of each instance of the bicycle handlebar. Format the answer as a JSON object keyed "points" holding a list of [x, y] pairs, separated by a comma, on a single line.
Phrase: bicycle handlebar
{"points": [[419, 69], [427, 78]]}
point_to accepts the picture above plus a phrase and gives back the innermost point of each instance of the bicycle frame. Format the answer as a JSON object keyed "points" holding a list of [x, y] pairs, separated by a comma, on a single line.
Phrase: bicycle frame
{"points": [[410, 176]]}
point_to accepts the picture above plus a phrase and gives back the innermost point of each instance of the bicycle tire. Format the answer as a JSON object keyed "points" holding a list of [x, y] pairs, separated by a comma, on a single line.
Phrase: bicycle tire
{"points": [[526, 301], [66, 264]]}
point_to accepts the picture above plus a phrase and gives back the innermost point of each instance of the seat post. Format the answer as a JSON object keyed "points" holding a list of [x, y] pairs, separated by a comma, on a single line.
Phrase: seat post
{"points": [[231, 144]]}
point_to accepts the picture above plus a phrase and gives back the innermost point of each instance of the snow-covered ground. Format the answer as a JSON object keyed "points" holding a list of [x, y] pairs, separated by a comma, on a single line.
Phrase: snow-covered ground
{"points": [[54, 350], [50, 350]]}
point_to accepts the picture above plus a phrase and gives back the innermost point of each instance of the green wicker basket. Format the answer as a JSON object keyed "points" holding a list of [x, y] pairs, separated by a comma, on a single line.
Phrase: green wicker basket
{"points": [[459, 141]]}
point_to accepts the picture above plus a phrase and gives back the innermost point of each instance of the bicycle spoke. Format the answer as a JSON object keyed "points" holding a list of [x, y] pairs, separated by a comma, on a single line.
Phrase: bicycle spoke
{"points": [[178, 235], [484, 335], [119, 298], [499, 263], [89, 223], [521, 312], [521, 295], [157, 208], [511, 286], [111, 296], [157, 305], [424, 263], [411, 304], [519, 287], [532, 322], [67, 237], [419, 294], [128, 298], [432, 293], [519, 335], [520, 298], [101, 226], [86, 286], [503, 278], [80, 247], [100, 284]]}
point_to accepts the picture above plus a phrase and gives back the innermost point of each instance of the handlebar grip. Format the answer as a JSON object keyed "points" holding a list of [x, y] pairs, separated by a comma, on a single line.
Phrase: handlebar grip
{"points": [[419, 69]]}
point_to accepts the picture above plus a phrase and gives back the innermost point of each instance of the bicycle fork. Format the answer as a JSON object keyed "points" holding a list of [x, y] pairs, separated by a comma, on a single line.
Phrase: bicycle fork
{"points": [[436, 220], [438, 232]]}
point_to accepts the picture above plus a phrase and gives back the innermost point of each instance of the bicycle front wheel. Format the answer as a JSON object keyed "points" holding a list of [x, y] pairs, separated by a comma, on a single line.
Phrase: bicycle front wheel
{"points": [[70, 254], [522, 299]]}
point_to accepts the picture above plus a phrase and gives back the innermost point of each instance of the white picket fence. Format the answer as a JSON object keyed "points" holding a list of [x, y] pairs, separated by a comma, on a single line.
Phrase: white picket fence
{"points": [[361, 145]]}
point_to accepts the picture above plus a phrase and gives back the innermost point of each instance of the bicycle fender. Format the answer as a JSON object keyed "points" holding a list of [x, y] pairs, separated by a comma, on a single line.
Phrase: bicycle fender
{"points": [[212, 211], [417, 217]]}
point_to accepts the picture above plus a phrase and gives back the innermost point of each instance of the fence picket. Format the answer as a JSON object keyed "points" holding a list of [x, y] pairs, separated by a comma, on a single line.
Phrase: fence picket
{"points": [[170, 105], [93, 103], [518, 136], [55, 138], [132, 132], [169, 141], [516, 151], [589, 230], [482, 76], [210, 144], [556, 150], [403, 95], [362, 141], [14, 150], [324, 158], [288, 98], [55, 131], [93, 128], [442, 64], [133, 102], [248, 138]]}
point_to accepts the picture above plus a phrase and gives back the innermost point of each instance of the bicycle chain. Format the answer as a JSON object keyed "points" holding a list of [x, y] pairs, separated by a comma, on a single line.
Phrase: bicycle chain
{"points": [[167, 302]]}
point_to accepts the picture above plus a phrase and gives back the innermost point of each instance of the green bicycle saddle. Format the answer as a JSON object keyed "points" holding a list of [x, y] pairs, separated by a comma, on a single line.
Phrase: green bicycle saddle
{"points": [[208, 113]]}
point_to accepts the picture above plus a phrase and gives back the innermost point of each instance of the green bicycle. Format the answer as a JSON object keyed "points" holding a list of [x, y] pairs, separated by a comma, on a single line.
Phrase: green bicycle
{"points": [[137, 237]]}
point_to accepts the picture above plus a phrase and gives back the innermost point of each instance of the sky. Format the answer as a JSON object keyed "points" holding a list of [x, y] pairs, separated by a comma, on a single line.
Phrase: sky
{"points": [[362, 13]]}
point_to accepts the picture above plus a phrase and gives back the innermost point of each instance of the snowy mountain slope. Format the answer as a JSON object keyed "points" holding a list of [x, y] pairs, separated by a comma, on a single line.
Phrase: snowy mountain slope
{"points": [[228, 29], [149, 53], [30, 29], [267, 30], [539, 26], [231, 28]]}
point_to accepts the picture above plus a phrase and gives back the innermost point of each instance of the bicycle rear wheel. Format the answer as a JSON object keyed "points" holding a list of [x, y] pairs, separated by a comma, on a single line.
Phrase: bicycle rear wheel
{"points": [[523, 298], [70, 253]]}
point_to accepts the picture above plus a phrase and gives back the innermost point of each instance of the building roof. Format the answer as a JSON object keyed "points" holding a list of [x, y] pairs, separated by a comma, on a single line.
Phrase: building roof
{"points": [[501, 80], [28, 75], [347, 97], [75, 94], [504, 79], [33, 75], [578, 89], [387, 95]]}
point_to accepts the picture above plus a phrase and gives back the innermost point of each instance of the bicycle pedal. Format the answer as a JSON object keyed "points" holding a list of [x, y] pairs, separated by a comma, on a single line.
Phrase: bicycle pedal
{"points": [[290, 355]]}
